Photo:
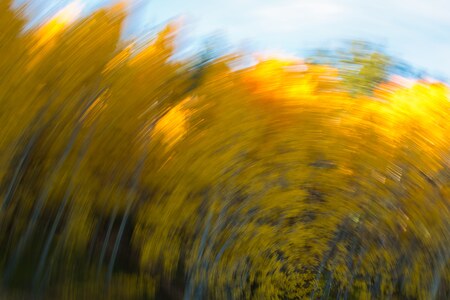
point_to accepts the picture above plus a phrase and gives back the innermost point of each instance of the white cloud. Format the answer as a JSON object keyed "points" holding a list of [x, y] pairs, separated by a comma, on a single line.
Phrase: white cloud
{"points": [[289, 15]]}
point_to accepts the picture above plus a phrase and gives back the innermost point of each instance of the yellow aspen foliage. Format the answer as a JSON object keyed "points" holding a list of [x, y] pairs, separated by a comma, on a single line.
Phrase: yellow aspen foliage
{"points": [[172, 126], [127, 173], [49, 31]]}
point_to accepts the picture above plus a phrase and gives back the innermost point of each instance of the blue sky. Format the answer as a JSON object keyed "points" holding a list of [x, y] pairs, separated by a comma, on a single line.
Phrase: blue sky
{"points": [[417, 31]]}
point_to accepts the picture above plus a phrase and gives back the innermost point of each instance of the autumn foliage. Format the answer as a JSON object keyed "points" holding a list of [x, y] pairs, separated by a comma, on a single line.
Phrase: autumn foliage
{"points": [[125, 173]]}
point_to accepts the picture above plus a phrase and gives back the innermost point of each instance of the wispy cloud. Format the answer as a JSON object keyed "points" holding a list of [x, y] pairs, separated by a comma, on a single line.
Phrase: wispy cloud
{"points": [[289, 15]]}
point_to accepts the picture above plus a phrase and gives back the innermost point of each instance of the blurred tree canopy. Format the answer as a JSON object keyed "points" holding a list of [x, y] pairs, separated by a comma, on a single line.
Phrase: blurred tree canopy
{"points": [[127, 174], [362, 65]]}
